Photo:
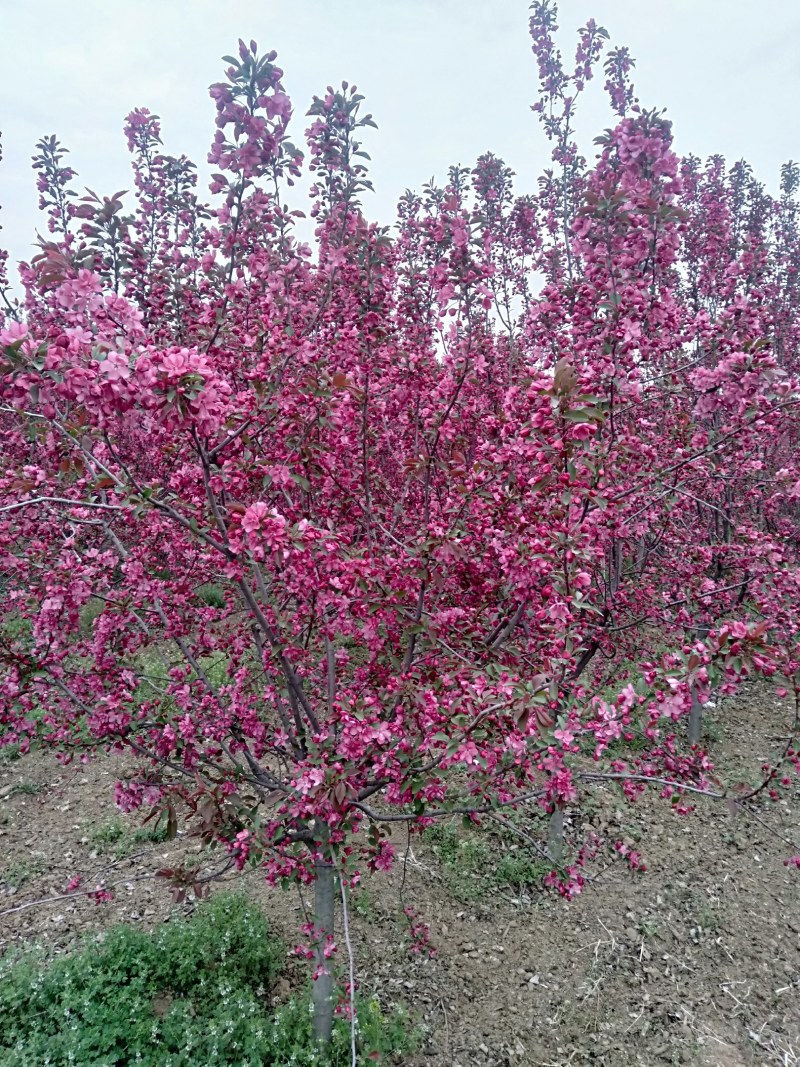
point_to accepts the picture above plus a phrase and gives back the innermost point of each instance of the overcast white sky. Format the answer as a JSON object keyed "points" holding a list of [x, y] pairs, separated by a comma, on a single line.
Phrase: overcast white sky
{"points": [[445, 79]]}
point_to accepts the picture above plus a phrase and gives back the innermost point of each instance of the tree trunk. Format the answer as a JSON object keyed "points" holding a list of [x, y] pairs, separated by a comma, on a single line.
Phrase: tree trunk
{"points": [[696, 712], [324, 901], [555, 835], [695, 719]]}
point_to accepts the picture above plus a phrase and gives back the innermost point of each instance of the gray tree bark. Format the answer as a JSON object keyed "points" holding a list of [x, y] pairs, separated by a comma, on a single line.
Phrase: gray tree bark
{"points": [[696, 712], [555, 835], [324, 905]]}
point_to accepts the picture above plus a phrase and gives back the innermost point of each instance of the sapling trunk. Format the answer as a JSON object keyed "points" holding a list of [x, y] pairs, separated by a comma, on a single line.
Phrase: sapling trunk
{"points": [[555, 834], [324, 902], [696, 711], [695, 718]]}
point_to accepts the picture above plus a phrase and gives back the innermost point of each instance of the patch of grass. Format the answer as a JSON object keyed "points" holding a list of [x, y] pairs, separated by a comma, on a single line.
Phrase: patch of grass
{"points": [[212, 594], [621, 748], [194, 993], [215, 668], [114, 837], [472, 865], [521, 868], [25, 788], [15, 627], [710, 919], [147, 835], [28, 789], [20, 872], [107, 834], [735, 839], [363, 904], [713, 731], [465, 860], [649, 928], [91, 610]]}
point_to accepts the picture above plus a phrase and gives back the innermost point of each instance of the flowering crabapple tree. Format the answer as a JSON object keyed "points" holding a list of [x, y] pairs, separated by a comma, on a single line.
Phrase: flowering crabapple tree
{"points": [[411, 523]]}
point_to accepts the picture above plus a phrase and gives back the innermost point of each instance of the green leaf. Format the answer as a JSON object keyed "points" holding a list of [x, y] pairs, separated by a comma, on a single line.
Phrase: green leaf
{"points": [[589, 414]]}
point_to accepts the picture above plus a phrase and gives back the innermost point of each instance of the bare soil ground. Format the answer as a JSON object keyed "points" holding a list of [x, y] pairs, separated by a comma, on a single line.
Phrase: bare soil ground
{"points": [[695, 962]]}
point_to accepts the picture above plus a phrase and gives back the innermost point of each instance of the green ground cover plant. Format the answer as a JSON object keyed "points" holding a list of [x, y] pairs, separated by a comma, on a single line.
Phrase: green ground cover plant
{"points": [[195, 993]]}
